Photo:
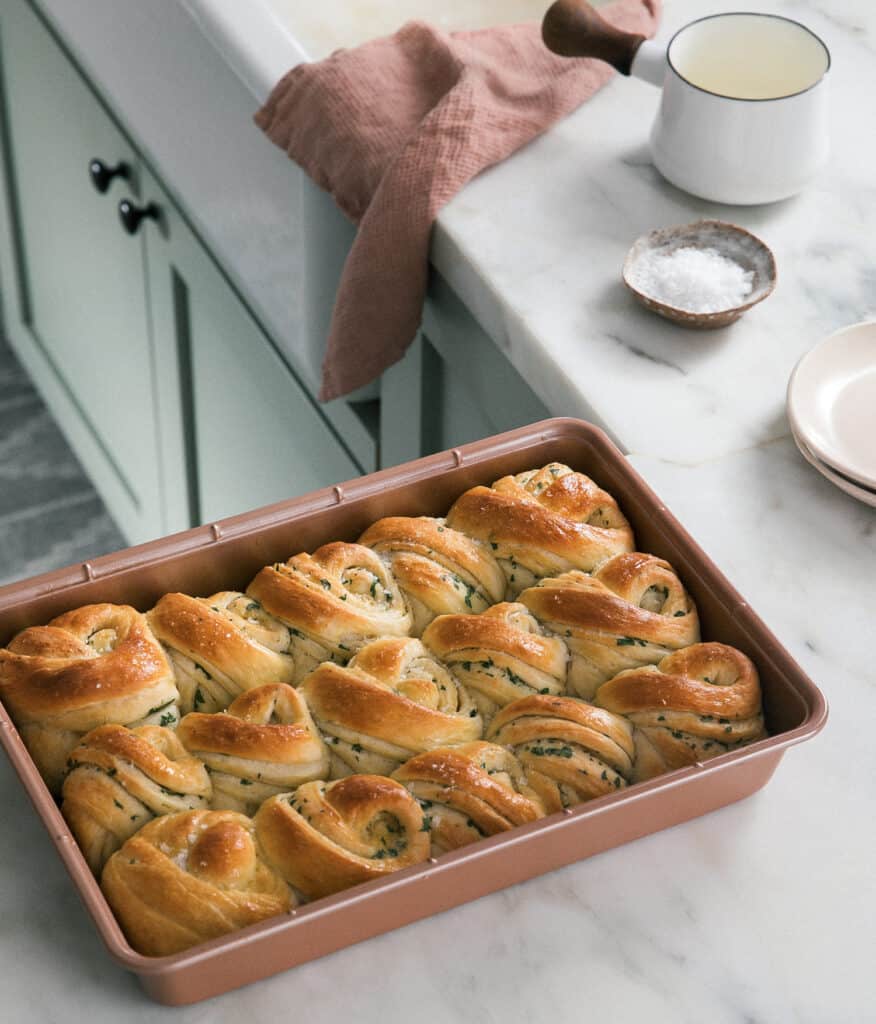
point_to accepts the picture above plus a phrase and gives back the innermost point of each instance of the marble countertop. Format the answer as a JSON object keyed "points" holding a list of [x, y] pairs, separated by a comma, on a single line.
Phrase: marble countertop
{"points": [[764, 911]]}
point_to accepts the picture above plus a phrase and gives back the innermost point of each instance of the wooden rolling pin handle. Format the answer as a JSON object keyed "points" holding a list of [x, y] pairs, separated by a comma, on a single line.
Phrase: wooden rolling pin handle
{"points": [[572, 28]]}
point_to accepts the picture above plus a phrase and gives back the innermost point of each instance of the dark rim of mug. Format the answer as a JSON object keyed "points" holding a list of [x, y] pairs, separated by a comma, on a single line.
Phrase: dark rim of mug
{"points": [[748, 14]]}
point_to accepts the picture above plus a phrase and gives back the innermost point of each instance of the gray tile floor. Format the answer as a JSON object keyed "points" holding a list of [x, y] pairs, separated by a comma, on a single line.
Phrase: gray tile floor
{"points": [[50, 515]]}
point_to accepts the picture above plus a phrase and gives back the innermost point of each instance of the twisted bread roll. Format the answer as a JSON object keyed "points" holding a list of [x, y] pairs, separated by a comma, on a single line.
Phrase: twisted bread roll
{"points": [[332, 601], [469, 792], [325, 837], [120, 779], [633, 611], [88, 667], [190, 877], [439, 570], [499, 656], [571, 751], [696, 704], [393, 700], [220, 646], [543, 522], [264, 744]]}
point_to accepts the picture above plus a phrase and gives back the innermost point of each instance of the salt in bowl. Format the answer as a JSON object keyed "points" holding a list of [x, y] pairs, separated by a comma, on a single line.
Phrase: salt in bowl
{"points": [[731, 241]]}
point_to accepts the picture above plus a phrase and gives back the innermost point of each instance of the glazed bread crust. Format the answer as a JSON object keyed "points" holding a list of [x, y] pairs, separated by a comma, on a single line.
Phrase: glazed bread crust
{"points": [[543, 522], [121, 778], [393, 700], [632, 611], [500, 655], [220, 646], [333, 601], [571, 751], [186, 878], [325, 837], [469, 792], [264, 744], [95, 665], [441, 571], [695, 704]]}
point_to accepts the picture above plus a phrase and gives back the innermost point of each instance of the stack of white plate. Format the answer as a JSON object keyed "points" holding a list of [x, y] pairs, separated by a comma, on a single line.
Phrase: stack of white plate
{"points": [[832, 409]]}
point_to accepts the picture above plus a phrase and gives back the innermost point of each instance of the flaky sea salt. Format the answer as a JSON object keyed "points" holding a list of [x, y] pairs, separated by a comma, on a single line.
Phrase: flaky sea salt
{"points": [[695, 280]]}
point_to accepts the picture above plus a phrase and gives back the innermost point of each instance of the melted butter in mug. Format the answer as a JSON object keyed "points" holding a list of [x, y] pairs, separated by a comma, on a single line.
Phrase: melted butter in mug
{"points": [[749, 56]]}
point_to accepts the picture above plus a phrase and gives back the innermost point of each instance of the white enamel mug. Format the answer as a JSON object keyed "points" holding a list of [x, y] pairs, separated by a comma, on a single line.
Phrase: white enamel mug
{"points": [[743, 116]]}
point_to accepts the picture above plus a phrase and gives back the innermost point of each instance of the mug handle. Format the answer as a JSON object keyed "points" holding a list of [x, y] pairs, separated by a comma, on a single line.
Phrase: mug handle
{"points": [[572, 28]]}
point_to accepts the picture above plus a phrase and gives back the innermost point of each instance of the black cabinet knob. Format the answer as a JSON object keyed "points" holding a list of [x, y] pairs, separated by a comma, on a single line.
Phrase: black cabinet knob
{"points": [[102, 175], [131, 215]]}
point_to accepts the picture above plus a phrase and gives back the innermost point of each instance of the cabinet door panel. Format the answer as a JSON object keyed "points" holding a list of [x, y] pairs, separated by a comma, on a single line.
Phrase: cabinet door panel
{"points": [[238, 430], [83, 277]]}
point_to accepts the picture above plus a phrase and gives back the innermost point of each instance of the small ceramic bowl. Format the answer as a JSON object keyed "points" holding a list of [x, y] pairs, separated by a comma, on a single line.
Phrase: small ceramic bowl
{"points": [[729, 240]]}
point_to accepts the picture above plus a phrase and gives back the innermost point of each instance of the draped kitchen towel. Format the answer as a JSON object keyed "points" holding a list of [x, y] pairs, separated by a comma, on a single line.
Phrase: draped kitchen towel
{"points": [[393, 129]]}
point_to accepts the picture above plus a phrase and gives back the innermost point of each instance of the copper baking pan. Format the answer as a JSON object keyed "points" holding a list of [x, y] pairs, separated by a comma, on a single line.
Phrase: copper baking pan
{"points": [[227, 554]]}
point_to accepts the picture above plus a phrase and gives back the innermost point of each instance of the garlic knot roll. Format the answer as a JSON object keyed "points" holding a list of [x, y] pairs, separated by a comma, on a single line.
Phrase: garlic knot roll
{"points": [[695, 704], [632, 611], [190, 877], [500, 655], [120, 779], [221, 646], [469, 792], [440, 571], [333, 601], [393, 700], [543, 522], [96, 665], [265, 743], [571, 751], [325, 837]]}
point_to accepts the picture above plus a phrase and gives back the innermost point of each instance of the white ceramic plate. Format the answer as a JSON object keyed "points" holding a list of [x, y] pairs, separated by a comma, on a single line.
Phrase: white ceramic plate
{"points": [[844, 484], [832, 402]]}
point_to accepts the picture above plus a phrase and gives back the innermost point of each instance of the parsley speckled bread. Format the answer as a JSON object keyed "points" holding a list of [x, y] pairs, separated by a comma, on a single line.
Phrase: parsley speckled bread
{"points": [[187, 878], [500, 655], [571, 751], [333, 601], [439, 570], [632, 611], [95, 665], [122, 778], [325, 837], [265, 743], [694, 705], [220, 646], [469, 792], [392, 701], [543, 522]]}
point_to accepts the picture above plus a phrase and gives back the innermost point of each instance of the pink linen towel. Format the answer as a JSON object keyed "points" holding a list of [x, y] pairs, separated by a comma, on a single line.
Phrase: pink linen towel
{"points": [[393, 129]]}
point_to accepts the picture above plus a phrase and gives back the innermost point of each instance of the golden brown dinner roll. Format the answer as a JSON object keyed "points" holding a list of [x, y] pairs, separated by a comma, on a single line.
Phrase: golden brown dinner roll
{"points": [[439, 570], [392, 701], [88, 667], [694, 705], [265, 743], [220, 646], [333, 601], [499, 656], [469, 792], [325, 837], [632, 611], [121, 778], [543, 522], [190, 877], [571, 751]]}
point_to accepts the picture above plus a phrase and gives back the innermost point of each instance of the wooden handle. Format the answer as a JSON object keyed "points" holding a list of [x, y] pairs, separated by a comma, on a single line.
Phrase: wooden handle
{"points": [[572, 28]]}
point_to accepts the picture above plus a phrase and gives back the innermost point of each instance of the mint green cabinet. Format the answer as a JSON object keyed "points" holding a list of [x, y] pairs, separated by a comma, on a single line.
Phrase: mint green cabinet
{"points": [[238, 429], [82, 314], [171, 394]]}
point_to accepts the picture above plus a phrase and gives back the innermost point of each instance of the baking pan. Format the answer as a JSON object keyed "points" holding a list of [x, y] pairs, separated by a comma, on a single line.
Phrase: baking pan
{"points": [[227, 554]]}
